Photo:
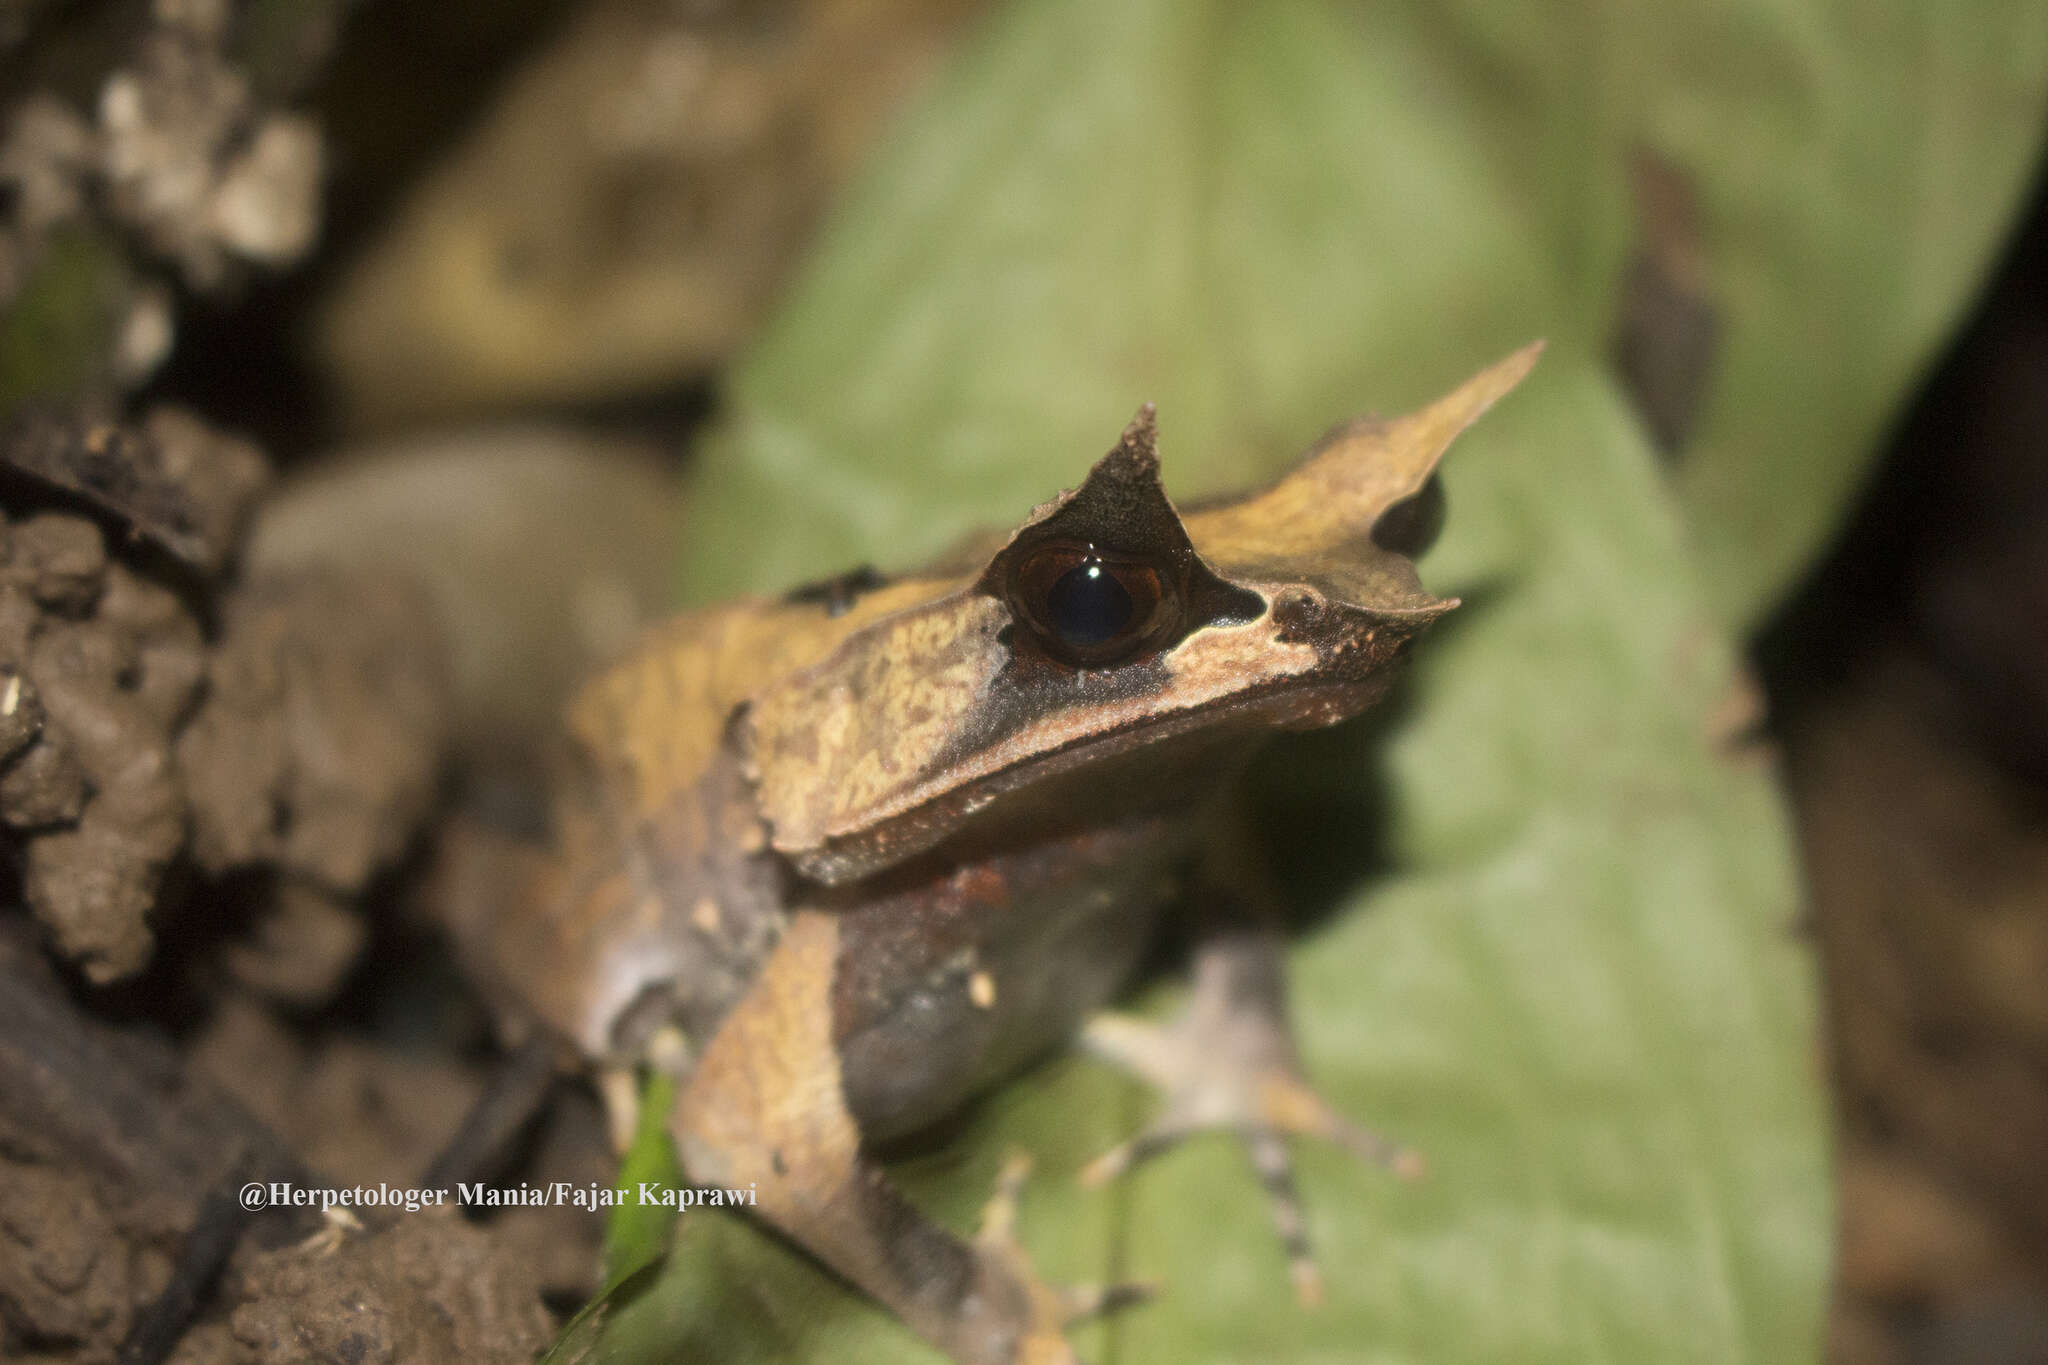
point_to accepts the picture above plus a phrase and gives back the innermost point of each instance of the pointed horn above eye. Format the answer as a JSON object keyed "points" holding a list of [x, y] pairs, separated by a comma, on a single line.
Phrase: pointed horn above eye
{"points": [[1140, 442], [1340, 490], [1121, 503], [1372, 464], [1128, 475]]}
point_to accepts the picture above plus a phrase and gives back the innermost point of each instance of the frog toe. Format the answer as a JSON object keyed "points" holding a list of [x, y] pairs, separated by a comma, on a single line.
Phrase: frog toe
{"points": [[1053, 1309], [1223, 1076]]}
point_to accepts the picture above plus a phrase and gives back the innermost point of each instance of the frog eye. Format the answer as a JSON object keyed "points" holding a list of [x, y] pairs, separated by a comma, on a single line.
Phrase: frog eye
{"points": [[1090, 606]]}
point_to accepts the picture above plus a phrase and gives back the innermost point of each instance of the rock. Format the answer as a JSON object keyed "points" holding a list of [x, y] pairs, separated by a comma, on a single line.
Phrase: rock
{"points": [[544, 550], [62, 559], [300, 952], [428, 1289], [172, 480], [320, 742]]}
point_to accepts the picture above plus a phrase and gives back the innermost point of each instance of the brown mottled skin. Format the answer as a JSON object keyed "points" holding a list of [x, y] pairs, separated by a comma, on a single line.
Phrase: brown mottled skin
{"points": [[875, 846]]}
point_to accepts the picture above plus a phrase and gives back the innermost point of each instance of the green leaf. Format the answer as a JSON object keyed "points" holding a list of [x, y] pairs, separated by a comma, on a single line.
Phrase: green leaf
{"points": [[1241, 214], [636, 1233], [1561, 958], [1858, 167]]}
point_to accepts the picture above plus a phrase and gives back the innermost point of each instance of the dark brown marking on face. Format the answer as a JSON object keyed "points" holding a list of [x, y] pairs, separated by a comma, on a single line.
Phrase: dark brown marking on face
{"points": [[1030, 688], [1348, 643], [1120, 514]]}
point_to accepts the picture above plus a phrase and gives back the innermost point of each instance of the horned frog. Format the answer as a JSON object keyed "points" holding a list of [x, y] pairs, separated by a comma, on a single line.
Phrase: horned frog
{"points": [[855, 855]]}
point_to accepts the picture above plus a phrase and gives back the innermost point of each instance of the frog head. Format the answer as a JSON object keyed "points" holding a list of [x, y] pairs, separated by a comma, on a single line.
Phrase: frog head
{"points": [[1109, 633]]}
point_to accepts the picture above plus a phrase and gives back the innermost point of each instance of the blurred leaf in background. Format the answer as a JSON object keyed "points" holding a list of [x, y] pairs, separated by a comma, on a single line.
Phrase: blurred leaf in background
{"points": [[1577, 984]]}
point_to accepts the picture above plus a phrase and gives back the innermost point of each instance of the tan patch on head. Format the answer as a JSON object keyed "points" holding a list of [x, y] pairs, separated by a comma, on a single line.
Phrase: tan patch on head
{"points": [[830, 744], [654, 720]]}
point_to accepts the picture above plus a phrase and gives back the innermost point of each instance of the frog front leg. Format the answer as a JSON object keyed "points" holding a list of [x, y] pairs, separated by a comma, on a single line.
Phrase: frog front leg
{"points": [[1230, 1062], [765, 1109]]}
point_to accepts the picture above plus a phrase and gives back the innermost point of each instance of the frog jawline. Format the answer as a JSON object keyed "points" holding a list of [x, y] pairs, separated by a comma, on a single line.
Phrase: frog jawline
{"points": [[929, 815]]}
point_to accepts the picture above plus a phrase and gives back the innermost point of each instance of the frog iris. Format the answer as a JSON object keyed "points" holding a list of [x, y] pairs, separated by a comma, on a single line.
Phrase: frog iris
{"points": [[1091, 606]]}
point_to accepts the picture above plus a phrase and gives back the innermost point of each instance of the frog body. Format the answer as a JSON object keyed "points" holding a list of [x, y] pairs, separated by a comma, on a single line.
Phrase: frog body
{"points": [[876, 845]]}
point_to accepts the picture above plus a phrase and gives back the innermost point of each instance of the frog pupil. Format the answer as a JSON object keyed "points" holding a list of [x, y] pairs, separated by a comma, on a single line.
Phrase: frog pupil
{"points": [[1088, 606]]}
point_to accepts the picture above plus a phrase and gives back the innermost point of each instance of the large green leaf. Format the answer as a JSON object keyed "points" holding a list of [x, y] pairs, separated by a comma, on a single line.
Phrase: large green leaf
{"points": [[1240, 211], [1572, 977]]}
